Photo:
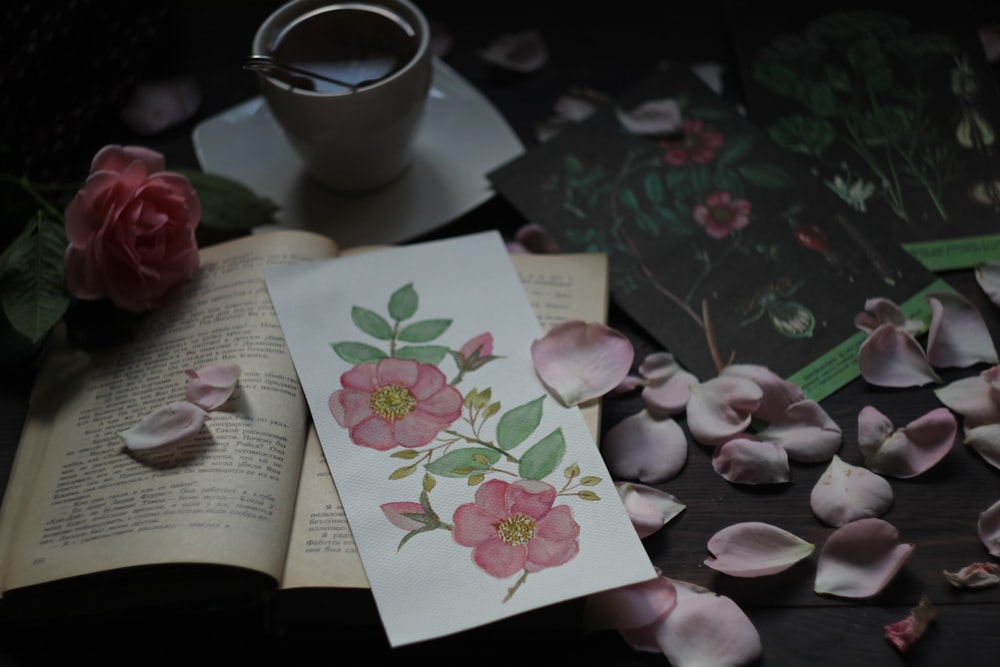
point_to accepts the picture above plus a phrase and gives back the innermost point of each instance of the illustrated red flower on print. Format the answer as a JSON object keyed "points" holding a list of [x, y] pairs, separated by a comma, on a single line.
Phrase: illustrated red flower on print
{"points": [[398, 399]]}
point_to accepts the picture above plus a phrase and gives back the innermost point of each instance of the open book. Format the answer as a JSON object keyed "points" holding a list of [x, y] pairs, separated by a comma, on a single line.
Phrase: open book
{"points": [[249, 508]]}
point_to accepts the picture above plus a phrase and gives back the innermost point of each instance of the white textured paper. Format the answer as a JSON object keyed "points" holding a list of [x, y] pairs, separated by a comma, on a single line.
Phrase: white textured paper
{"points": [[425, 583]]}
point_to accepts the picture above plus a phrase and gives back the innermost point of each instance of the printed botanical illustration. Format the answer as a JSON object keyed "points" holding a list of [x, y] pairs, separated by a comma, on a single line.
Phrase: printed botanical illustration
{"points": [[719, 246], [896, 117], [408, 396]]}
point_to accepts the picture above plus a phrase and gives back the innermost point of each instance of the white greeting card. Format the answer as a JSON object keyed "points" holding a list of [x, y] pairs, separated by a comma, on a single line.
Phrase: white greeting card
{"points": [[472, 493]]}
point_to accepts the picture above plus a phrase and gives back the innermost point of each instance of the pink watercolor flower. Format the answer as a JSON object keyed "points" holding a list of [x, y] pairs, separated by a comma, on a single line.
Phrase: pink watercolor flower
{"points": [[395, 403], [721, 216], [697, 144], [131, 230], [514, 526]]}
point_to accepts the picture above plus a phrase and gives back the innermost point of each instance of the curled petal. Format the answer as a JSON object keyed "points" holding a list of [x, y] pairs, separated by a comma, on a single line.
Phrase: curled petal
{"points": [[988, 277], [806, 432], [873, 428], [536, 239], [579, 361], [986, 441], [649, 508], [989, 529], [903, 634], [519, 52], [879, 311], [915, 448], [708, 629], [975, 398], [779, 393], [641, 447], [747, 461], [635, 611], [629, 384], [958, 335], [171, 424], [891, 357], [860, 558], [755, 549], [975, 575], [212, 385], [655, 118], [668, 386], [846, 493], [721, 408]]}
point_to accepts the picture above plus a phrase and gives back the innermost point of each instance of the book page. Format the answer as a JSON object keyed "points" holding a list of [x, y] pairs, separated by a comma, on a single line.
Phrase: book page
{"points": [[79, 503], [321, 550]]}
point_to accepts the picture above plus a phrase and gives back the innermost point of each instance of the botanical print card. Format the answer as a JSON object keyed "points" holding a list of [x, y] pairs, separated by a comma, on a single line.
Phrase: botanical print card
{"points": [[721, 245], [895, 110], [472, 494]]}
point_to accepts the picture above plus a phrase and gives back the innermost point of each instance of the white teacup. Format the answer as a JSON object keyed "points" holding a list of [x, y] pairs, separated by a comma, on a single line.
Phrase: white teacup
{"points": [[351, 138]]}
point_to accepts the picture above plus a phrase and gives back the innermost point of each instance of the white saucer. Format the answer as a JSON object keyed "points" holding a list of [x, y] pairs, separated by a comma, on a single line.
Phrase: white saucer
{"points": [[462, 138]]}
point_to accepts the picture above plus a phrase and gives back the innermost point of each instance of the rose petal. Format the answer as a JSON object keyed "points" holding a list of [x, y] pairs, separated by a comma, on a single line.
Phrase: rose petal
{"points": [[536, 239], [212, 385], [579, 361], [879, 311], [170, 424], [986, 441], [975, 575], [749, 461], [635, 611], [708, 629], [649, 508], [975, 398], [806, 432], [668, 386], [859, 559], [643, 448], [519, 52], [779, 393], [989, 529], [988, 277], [721, 408], [958, 335], [755, 549], [655, 118], [903, 634], [846, 493], [891, 357], [915, 448], [873, 428]]}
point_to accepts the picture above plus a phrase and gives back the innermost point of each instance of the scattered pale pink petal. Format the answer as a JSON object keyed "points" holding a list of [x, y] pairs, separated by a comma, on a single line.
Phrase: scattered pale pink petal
{"points": [[749, 461], [171, 424], [908, 451], [755, 549], [989, 37], [721, 408], [873, 428], [574, 106], [958, 336], [806, 432], [635, 611], [879, 311], [975, 575], [156, 106], [644, 448], [989, 529], [520, 52], [891, 357], [629, 384], [649, 508], [846, 493], [656, 118], [988, 277], [986, 441], [668, 385], [976, 398], [860, 558], [779, 393], [708, 629], [211, 386], [579, 361], [536, 239], [903, 634]]}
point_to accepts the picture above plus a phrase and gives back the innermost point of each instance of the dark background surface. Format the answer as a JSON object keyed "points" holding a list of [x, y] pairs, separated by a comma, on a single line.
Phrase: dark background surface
{"points": [[68, 72]]}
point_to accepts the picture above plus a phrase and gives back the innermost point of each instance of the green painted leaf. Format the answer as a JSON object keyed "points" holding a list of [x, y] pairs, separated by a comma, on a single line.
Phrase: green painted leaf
{"points": [[802, 134], [647, 223], [543, 457], [766, 175], [32, 282], [403, 303], [425, 354], [462, 462], [653, 185], [518, 423], [734, 150], [423, 331], [358, 353], [227, 204], [628, 198], [371, 323]]}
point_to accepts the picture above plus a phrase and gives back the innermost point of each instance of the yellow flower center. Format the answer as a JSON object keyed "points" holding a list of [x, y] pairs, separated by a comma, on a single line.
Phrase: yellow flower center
{"points": [[516, 529], [392, 402]]}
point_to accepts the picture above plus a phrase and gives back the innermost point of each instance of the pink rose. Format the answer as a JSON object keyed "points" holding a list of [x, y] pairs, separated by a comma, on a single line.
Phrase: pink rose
{"points": [[131, 230]]}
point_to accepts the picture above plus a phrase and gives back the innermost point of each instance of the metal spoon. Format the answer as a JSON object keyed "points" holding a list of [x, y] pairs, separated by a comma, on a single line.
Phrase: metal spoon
{"points": [[293, 76]]}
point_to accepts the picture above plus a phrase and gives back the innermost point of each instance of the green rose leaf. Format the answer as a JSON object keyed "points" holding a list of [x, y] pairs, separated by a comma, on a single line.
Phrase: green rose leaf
{"points": [[653, 186], [628, 198], [766, 175], [358, 353], [518, 423], [425, 354], [462, 462], [227, 204], [423, 331], [543, 457], [403, 303], [371, 323], [802, 134]]}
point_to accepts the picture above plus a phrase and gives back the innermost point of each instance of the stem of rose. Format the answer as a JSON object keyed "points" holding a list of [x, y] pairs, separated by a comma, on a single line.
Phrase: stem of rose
{"points": [[517, 584]]}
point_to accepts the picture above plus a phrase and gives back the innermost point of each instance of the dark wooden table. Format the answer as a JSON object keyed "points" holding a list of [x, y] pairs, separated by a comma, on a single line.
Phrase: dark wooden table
{"points": [[606, 47]]}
